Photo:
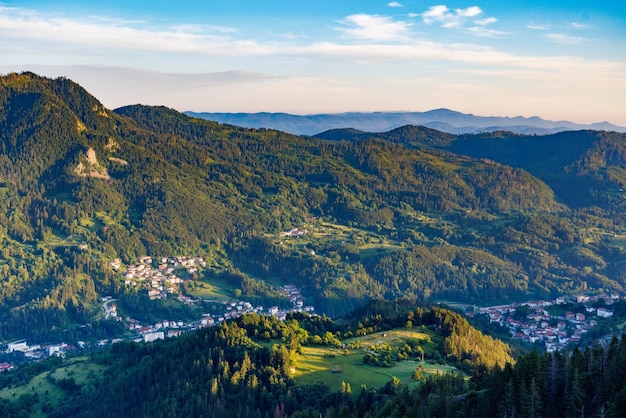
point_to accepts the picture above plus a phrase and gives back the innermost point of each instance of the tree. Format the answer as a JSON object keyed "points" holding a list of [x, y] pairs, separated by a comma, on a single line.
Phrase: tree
{"points": [[418, 373], [532, 401]]}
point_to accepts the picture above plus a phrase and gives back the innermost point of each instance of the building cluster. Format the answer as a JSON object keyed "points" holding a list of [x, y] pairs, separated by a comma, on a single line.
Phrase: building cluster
{"points": [[37, 352], [157, 331], [162, 279], [236, 309], [554, 331], [295, 297], [232, 309], [295, 232]]}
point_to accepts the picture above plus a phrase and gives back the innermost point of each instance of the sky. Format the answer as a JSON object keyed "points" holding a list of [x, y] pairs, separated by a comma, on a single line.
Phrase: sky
{"points": [[560, 60]]}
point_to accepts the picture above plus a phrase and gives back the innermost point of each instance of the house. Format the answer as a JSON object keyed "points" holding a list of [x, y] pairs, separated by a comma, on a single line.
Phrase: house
{"points": [[207, 321], [153, 336], [116, 264], [604, 313], [6, 367], [580, 317], [20, 345], [174, 333], [495, 317]]}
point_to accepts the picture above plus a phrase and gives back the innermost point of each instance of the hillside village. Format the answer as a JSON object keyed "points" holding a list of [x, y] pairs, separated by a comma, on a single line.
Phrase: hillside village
{"points": [[160, 282], [542, 323], [163, 279]]}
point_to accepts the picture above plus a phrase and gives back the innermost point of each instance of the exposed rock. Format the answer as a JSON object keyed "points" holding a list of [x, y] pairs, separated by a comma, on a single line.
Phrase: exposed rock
{"points": [[91, 167]]}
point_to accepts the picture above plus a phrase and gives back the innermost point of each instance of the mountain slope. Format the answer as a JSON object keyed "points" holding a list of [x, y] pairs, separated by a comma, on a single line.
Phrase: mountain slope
{"points": [[584, 168]]}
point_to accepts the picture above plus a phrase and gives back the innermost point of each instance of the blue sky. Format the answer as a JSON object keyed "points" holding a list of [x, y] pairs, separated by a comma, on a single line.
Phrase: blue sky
{"points": [[554, 59]]}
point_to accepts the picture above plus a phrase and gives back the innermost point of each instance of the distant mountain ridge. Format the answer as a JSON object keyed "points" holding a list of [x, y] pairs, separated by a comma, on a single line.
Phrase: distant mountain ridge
{"points": [[444, 120]]}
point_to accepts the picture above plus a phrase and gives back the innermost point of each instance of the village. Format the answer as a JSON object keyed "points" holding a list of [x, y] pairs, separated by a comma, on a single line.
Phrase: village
{"points": [[542, 322], [553, 330], [162, 282], [165, 278]]}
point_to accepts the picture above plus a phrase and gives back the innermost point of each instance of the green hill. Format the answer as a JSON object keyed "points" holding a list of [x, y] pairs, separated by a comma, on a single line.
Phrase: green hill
{"points": [[584, 168], [254, 365]]}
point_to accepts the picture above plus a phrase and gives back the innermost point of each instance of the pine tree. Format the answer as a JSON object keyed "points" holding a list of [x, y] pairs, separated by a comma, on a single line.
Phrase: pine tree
{"points": [[506, 407], [532, 401]]}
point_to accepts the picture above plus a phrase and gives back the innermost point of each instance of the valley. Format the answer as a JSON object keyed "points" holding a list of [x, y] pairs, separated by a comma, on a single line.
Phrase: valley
{"points": [[181, 264]]}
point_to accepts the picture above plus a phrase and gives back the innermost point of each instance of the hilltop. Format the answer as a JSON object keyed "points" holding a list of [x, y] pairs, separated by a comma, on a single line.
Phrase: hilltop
{"points": [[255, 365]]}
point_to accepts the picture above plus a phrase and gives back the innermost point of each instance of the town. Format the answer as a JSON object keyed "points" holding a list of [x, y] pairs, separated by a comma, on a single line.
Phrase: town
{"points": [[160, 282], [543, 323]]}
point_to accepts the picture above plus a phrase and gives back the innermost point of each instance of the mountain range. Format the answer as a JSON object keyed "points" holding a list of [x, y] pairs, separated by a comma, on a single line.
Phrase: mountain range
{"points": [[444, 120], [412, 212], [375, 228]]}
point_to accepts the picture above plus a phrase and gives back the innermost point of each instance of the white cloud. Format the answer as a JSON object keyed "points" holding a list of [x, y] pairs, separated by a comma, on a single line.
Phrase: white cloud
{"points": [[562, 38], [451, 19], [469, 12], [374, 27], [435, 14], [577, 25], [100, 32], [533, 26], [83, 40], [485, 32], [486, 21], [395, 4]]}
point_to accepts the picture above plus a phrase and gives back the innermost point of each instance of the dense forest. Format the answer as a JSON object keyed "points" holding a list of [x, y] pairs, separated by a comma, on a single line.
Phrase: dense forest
{"points": [[244, 368], [410, 213]]}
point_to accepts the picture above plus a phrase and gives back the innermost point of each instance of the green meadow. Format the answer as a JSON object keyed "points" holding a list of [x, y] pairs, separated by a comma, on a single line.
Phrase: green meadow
{"points": [[44, 387], [335, 365]]}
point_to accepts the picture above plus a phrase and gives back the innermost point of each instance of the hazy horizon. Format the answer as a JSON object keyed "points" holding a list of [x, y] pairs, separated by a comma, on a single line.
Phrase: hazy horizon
{"points": [[557, 60]]}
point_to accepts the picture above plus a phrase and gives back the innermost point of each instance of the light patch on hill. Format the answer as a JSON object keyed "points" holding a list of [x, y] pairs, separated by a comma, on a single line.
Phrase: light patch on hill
{"points": [[90, 167], [80, 127], [100, 110], [118, 160], [112, 145]]}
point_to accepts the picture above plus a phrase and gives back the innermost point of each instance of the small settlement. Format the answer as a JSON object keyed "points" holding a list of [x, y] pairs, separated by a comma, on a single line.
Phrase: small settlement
{"points": [[163, 279], [159, 282], [555, 331]]}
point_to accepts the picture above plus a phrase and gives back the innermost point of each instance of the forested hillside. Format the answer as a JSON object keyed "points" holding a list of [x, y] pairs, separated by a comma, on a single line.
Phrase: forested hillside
{"points": [[82, 185], [250, 367]]}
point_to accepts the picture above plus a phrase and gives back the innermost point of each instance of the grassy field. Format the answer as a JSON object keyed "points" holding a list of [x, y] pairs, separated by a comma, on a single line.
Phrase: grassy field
{"points": [[333, 365], [46, 392], [212, 289]]}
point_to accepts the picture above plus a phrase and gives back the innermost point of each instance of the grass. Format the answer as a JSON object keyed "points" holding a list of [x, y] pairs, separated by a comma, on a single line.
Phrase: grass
{"points": [[212, 289], [369, 250], [321, 364], [45, 391]]}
